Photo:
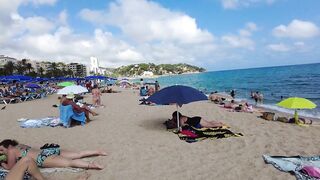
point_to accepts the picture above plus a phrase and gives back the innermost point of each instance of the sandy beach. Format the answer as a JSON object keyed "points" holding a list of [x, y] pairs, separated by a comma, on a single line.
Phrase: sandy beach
{"points": [[140, 147]]}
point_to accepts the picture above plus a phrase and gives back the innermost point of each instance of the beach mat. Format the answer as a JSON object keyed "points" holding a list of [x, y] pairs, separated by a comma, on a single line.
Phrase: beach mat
{"points": [[191, 134], [304, 168]]}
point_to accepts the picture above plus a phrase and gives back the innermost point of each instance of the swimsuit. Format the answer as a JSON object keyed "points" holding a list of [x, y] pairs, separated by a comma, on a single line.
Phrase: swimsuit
{"points": [[194, 121], [44, 153], [24, 151]]}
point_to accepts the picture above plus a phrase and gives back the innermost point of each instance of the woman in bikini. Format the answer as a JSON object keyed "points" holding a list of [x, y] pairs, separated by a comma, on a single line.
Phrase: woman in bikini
{"points": [[197, 121], [96, 96], [47, 156]]}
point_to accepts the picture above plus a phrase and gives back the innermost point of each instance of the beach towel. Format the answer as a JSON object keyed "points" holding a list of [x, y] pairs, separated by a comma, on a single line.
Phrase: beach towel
{"points": [[50, 121], [304, 168], [67, 113], [191, 134]]}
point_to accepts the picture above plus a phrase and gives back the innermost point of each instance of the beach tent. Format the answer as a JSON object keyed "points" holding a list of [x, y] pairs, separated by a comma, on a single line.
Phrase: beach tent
{"points": [[297, 103], [178, 95]]}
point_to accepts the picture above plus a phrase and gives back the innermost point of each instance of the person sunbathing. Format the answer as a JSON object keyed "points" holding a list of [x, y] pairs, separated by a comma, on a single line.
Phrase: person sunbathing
{"points": [[26, 167], [47, 156], [68, 100], [197, 121]]}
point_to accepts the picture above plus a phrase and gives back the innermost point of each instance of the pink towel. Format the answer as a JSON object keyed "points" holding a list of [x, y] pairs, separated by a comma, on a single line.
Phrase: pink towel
{"points": [[311, 171], [189, 133]]}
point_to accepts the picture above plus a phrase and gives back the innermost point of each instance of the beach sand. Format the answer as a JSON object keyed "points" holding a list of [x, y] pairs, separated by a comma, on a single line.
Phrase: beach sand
{"points": [[140, 147]]}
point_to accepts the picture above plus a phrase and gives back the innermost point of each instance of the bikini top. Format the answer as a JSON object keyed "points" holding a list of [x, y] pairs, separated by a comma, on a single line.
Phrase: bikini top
{"points": [[24, 150]]}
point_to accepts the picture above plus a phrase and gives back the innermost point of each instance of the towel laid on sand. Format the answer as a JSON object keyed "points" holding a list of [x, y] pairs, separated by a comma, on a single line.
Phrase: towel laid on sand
{"points": [[4, 172], [191, 134], [304, 168], [41, 122]]}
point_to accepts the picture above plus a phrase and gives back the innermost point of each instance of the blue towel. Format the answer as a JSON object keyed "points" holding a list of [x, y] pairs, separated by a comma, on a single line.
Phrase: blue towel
{"points": [[293, 164], [67, 113]]}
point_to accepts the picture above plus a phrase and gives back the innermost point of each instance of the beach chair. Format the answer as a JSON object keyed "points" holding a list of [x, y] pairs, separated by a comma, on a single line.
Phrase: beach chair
{"points": [[67, 114]]}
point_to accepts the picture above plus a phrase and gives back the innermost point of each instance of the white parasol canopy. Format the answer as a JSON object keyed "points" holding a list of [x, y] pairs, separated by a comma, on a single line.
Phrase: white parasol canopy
{"points": [[74, 89]]}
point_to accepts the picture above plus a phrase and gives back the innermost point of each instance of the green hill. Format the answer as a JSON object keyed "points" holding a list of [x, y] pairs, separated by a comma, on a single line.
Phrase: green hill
{"points": [[161, 69]]}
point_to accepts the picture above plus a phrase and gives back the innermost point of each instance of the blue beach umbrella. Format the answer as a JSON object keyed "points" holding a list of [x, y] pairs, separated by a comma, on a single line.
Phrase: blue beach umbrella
{"points": [[178, 95], [32, 85]]}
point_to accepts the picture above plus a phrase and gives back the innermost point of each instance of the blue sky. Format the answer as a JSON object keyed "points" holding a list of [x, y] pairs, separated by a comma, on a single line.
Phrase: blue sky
{"points": [[214, 34]]}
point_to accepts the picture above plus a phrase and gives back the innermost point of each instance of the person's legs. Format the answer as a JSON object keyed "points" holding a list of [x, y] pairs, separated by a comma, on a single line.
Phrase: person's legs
{"points": [[59, 161], [87, 109], [23, 165], [210, 124], [81, 154]]}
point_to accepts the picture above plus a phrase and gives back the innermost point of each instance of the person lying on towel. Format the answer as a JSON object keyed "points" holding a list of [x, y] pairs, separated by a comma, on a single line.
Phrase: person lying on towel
{"points": [[197, 121]]}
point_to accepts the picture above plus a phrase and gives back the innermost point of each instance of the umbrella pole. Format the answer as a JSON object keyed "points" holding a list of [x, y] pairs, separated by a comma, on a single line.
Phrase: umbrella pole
{"points": [[178, 120], [296, 117]]}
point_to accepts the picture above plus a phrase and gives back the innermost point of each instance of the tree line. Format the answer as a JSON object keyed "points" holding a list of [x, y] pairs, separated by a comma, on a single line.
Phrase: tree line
{"points": [[24, 68]]}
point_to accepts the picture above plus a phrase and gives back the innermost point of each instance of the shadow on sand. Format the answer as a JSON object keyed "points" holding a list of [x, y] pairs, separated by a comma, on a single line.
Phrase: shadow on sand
{"points": [[153, 124]]}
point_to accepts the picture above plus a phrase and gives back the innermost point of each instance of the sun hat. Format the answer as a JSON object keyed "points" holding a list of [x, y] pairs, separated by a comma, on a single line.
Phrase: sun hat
{"points": [[70, 96]]}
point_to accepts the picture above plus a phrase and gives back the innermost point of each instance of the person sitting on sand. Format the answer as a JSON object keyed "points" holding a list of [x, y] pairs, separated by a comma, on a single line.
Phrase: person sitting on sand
{"points": [[292, 120], [49, 156], [197, 121], [78, 109]]}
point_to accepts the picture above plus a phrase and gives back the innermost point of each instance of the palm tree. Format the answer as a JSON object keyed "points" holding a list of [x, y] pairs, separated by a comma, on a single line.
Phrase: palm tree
{"points": [[41, 70], [9, 68], [29, 67]]}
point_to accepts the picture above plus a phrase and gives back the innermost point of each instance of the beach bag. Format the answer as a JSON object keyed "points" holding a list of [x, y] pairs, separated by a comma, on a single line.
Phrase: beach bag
{"points": [[268, 116]]}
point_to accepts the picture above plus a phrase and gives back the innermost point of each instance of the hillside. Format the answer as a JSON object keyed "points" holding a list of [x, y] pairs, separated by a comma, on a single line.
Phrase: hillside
{"points": [[161, 69]]}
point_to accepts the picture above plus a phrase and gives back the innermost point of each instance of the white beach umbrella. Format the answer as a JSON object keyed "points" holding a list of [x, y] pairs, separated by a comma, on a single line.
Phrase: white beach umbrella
{"points": [[74, 89], [124, 81]]}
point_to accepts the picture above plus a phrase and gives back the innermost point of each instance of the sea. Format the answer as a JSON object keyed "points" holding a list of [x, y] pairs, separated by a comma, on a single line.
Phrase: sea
{"points": [[275, 83]]}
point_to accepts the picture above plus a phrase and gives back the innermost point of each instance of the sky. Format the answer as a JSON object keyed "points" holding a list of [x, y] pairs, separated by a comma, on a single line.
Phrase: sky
{"points": [[213, 34]]}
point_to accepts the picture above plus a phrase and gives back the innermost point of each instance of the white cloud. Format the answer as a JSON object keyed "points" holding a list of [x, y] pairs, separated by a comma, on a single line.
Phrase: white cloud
{"points": [[278, 47], [146, 21], [147, 32], [236, 4], [238, 41], [43, 2], [297, 29], [243, 39]]}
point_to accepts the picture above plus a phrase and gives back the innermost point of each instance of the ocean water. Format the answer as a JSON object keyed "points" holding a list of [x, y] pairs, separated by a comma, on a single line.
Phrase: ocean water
{"points": [[272, 82]]}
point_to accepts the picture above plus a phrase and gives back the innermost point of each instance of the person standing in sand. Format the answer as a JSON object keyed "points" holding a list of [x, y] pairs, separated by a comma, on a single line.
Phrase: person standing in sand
{"points": [[96, 96]]}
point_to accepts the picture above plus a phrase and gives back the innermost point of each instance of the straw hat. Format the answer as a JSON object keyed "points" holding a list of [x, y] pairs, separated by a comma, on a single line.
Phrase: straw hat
{"points": [[70, 96]]}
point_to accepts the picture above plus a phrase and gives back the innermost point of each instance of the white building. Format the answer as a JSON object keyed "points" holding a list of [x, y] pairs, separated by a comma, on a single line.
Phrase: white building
{"points": [[147, 74], [95, 68], [5, 59]]}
